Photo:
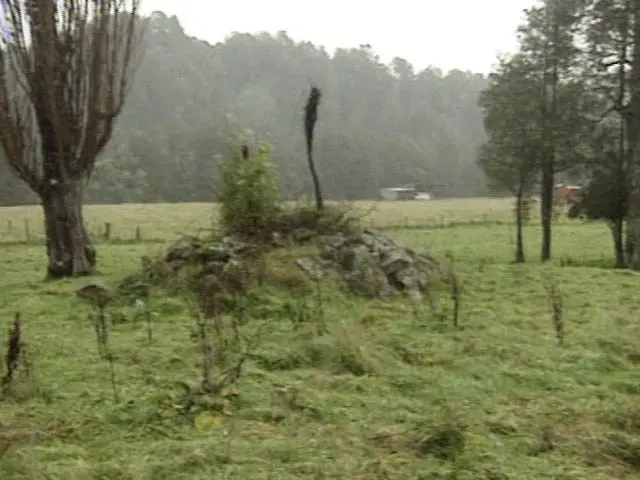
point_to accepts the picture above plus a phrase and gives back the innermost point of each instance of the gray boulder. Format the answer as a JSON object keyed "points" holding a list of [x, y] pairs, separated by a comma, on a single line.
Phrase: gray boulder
{"points": [[374, 265]]}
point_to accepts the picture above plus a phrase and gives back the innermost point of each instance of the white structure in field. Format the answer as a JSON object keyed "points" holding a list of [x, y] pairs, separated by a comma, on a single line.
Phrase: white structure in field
{"points": [[403, 193]]}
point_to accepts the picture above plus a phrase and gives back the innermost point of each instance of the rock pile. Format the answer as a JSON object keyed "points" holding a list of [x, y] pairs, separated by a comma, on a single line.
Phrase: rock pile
{"points": [[375, 266], [214, 257], [213, 265], [372, 264]]}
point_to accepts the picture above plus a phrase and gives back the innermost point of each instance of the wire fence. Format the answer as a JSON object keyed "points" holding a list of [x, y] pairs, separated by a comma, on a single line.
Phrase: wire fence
{"points": [[27, 231]]}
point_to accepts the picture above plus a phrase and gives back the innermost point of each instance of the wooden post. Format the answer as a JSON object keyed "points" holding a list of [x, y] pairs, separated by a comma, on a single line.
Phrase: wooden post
{"points": [[138, 234], [107, 231]]}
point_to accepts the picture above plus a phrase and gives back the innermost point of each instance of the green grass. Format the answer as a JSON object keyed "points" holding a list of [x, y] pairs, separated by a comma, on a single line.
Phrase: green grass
{"points": [[365, 400]]}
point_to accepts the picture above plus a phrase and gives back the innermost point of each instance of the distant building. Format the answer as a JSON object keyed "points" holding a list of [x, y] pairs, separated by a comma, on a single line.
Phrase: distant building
{"points": [[423, 196], [398, 193], [566, 192]]}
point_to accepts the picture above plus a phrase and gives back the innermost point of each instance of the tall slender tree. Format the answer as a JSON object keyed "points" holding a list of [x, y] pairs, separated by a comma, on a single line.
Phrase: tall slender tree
{"points": [[609, 40], [548, 39], [65, 71], [510, 158], [614, 40]]}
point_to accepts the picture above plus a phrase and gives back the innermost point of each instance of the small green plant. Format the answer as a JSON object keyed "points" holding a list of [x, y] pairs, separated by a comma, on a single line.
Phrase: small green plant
{"points": [[249, 194]]}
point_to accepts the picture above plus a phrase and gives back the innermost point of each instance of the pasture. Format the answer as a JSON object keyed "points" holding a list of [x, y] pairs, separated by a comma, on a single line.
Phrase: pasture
{"points": [[166, 221], [386, 391]]}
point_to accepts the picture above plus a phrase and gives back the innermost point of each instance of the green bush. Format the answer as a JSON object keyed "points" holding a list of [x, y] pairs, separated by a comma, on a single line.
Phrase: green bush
{"points": [[249, 194]]}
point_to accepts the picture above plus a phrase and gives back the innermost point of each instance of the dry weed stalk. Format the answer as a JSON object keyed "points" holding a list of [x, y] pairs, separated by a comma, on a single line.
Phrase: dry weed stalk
{"points": [[216, 376], [104, 350], [112, 373], [14, 355], [99, 296], [144, 293], [556, 309], [455, 285]]}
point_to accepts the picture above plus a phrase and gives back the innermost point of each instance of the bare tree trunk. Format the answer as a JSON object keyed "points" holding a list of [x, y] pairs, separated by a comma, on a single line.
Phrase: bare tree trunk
{"points": [[69, 247], [316, 182], [617, 230], [632, 119], [519, 225], [546, 208], [549, 113], [310, 118], [629, 245], [633, 234]]}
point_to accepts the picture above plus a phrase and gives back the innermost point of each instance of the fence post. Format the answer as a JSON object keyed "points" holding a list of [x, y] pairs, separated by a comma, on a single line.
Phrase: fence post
{"points": [[138, 234], [27, 230], [9, 226], [107, 231]]}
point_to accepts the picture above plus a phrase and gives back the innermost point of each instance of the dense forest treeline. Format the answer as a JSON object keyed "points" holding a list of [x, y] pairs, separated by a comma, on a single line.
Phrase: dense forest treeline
{"points": [[379, 125]]}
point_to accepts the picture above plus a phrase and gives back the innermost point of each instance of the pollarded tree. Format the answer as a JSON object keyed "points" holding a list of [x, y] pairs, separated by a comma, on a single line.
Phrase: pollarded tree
{"points": [[65, 70]]}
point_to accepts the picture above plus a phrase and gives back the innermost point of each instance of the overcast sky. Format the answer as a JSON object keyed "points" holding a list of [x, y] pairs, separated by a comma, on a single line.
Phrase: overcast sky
{"points": [[466, 34]]}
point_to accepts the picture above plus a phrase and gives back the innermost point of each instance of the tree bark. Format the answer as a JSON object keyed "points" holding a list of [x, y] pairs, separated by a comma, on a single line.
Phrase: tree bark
{"points": [[546, 208], [519, 225], [69, 247], [632, 119], [316, 182], [617, 230], [633, 235], [549, 118]]}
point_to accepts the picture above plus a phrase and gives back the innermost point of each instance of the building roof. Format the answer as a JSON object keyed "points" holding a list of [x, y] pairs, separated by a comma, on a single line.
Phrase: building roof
{"points": [[400, 189]]}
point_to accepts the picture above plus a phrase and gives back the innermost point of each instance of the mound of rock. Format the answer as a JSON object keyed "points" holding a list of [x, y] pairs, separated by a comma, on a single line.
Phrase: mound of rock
{"points": [[375, 266], [213, 256], [372, 264], [224, 259]]}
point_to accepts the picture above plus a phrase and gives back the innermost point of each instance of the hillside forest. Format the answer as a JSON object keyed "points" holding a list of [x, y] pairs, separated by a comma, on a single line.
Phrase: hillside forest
{"points": [[379, 125]]}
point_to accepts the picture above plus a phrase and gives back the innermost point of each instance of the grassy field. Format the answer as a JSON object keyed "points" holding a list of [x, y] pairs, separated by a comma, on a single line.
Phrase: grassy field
{"points": [[166, 221], [388, 392]]}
